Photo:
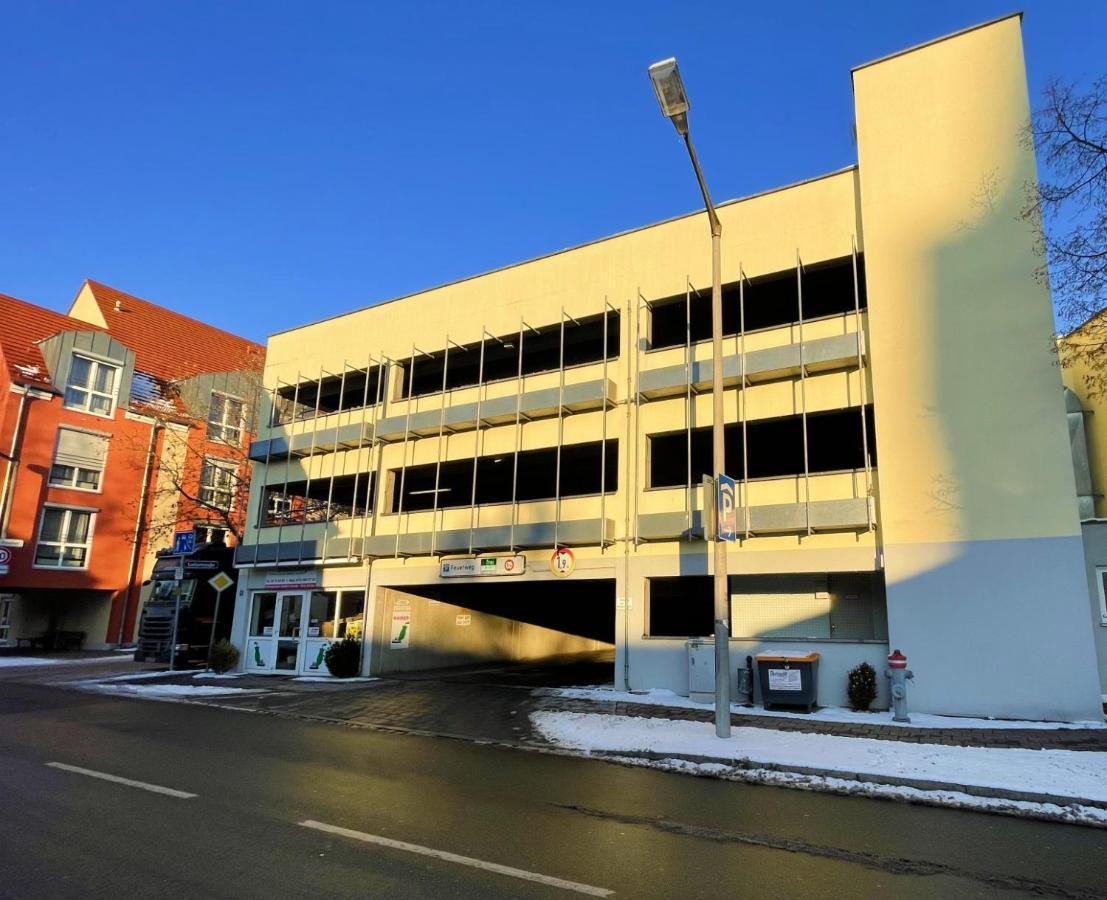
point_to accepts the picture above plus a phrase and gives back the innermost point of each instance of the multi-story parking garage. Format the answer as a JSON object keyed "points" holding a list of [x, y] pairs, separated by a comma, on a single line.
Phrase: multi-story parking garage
{"points": [[892, 419]]}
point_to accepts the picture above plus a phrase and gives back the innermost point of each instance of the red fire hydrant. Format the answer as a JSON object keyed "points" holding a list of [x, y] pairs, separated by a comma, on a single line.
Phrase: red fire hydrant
{"points": [[898, 673]]}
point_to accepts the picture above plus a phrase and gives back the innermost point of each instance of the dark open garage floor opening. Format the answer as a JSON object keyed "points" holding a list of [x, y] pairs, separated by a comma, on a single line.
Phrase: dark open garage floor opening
{"points": [[524, 633]]}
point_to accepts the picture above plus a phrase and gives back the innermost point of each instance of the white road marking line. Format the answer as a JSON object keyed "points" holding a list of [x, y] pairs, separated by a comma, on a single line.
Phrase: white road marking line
{"points": [[153, 788], [460, 860]]}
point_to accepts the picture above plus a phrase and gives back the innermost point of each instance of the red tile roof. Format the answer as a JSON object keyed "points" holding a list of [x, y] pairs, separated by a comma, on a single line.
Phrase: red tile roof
{"points": [[22, 324], [170, 346]]}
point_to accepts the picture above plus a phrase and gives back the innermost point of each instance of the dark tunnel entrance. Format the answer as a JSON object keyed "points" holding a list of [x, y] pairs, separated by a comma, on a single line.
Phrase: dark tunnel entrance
{"points": [[534, 633]]}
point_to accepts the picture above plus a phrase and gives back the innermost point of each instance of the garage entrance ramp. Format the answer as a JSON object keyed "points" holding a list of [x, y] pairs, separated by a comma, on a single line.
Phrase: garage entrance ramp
{"points": [[538, 633]]}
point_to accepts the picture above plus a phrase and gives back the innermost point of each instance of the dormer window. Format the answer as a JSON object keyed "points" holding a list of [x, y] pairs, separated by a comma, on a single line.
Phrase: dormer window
{"points": [[92, 386]]}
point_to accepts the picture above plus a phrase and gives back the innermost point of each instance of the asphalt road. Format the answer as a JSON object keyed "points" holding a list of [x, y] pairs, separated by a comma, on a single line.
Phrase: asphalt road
{"points": [[602, 827]]}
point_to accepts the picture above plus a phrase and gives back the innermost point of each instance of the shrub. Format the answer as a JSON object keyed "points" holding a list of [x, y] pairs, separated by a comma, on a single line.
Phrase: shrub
{"points": [[223, 657], [862, 686], [344, 658]]}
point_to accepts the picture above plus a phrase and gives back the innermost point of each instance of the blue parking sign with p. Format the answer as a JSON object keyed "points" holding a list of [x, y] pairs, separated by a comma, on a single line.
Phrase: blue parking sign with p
{"points": [[726, 507], [184, 542]]}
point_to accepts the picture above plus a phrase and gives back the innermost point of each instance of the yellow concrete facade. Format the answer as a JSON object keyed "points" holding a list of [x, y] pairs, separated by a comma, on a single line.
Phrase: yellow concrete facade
{"points": [[952, 354]]}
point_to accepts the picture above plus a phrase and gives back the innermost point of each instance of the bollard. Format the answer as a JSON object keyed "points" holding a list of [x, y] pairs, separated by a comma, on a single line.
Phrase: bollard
{"points": [[898, 673]]}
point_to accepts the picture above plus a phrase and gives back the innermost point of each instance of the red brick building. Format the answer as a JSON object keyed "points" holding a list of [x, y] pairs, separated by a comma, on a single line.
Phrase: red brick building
{"points": [[120, 422]]}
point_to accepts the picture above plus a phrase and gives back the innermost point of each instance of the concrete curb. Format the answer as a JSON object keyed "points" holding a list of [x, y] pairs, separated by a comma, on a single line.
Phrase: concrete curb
{"points": [[921, 784]]}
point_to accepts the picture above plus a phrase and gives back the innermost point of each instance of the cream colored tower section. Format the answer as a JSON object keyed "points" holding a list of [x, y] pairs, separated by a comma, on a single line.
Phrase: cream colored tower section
{"points": [[981, 542]]}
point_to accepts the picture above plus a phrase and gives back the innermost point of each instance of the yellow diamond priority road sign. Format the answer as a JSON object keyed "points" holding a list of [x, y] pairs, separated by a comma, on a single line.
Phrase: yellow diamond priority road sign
{"points": [[221, 581]]}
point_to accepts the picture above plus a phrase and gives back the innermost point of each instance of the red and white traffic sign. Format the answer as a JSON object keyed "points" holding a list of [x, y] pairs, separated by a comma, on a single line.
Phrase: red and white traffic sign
{"points": [[563, 562]]}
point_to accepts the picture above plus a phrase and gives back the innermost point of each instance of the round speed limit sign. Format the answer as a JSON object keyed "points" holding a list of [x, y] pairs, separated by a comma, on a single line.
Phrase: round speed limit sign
{"points": [[562, 562]]}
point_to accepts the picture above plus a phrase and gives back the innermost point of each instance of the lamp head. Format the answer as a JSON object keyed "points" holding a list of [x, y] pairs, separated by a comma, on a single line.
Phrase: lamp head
{"points": [[669, 88]]}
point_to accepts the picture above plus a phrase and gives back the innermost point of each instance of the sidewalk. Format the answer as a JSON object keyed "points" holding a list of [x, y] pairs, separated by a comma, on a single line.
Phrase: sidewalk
{"points": [[1041, 771]]}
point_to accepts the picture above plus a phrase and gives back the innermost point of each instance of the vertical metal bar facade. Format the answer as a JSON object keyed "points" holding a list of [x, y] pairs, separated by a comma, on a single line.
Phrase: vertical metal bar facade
{"points": [[603, 438], [688, 404], [476, 439], [560, 428], [803, 395], [438, 461], [518, 437], [357, 466], [406, 440], [288, 458], [742, 412], [311, 456], [863, 389]]}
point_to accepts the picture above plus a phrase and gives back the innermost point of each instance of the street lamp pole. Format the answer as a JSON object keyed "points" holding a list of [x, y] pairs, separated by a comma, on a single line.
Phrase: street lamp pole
{"points": [[674, 104]]}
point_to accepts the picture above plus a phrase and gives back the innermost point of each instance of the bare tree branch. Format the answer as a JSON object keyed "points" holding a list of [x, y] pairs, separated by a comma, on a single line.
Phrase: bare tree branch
{"points": [[1070, 204]]}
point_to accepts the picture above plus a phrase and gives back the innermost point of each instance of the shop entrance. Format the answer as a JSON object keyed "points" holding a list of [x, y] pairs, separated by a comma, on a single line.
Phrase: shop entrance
{"points": [[273, 644], [290, 631]]}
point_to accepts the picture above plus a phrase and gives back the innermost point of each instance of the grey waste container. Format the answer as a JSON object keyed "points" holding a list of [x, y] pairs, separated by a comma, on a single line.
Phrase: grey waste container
{"points": [[788, 679]]}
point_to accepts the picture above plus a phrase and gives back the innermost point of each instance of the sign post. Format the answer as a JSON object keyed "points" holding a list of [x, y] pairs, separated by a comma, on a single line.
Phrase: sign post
{"points": [[220, 582], [178, 577]]}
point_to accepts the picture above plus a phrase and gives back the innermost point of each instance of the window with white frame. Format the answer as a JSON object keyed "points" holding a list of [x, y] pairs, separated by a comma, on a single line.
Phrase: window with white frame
{"points": [[226, 416], [64, 538], [1101, 584], [78, 460], [218, 480], [92, 385]]}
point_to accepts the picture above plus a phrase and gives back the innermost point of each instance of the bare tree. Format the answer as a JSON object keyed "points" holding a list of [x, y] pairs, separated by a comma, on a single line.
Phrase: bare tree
{"points": [[1070, 203], [202, 472]]}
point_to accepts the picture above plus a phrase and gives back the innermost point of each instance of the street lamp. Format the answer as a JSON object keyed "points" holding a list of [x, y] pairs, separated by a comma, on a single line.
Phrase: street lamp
{"points": [[674, 105]]}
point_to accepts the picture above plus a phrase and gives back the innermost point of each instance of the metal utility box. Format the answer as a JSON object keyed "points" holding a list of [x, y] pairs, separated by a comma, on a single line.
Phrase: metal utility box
{"points": [[788, 679], [701, 670]]}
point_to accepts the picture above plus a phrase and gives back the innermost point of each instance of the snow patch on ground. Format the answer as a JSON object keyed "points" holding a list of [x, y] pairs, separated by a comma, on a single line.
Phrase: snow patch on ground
{"points": [[1068, 773], [215, 675], [662, 697], [131, 676], [164, 691], [14, 662]]}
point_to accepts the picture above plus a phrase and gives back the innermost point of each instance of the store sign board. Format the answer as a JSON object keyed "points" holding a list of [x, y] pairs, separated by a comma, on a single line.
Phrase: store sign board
{"points": [[478, 566], [293, 578], [5, 559]]}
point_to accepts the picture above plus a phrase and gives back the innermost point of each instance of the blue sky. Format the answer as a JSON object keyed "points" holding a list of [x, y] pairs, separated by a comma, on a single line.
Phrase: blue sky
{"points": [[259, 165]]}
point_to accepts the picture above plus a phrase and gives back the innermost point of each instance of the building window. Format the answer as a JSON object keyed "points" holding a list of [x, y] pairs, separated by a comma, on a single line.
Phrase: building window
{"points": [[64, 538], [1101, 583], [817, 607], [7, 604], [91, 386], [78, 460], [209, 534], [336, 615], [218, 480], [226, 416]]}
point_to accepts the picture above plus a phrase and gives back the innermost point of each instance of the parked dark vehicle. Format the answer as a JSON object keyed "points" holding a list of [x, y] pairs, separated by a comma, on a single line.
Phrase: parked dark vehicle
{"points": [[197, 597]]}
